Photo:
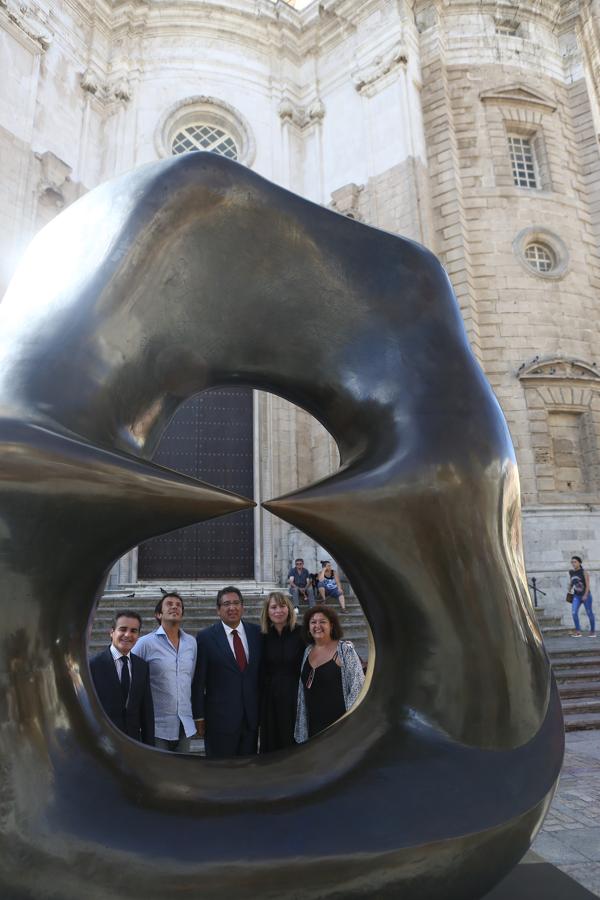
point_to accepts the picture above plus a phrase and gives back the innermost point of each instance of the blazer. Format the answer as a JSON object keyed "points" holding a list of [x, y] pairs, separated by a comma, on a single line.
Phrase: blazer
{"points": [[221, 694], [137, 720]]}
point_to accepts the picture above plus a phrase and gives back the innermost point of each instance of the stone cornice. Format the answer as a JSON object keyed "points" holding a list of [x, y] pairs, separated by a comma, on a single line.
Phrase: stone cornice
{"points": [[548, 11], [559, 369], [27, 25], [518, 95], [366, 76]]}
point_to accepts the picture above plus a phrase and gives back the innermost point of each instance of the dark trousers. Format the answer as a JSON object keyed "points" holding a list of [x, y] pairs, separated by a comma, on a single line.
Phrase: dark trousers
{"points": [[241, 743]]}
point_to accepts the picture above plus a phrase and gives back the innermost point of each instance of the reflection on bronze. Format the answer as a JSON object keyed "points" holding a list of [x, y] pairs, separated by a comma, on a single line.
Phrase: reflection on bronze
{"points": [[191, 273]]}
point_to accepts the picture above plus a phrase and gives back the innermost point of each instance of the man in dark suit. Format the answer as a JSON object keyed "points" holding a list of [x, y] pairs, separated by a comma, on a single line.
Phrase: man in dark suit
{"points": [[122, 680], [225, 693]]}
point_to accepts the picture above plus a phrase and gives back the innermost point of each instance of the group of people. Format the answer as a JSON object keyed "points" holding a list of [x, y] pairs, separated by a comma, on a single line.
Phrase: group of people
{"points": [[325, 584], [244, 688]]}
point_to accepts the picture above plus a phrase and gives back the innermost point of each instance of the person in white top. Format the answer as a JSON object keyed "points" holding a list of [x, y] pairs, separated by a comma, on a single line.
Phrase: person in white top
{"points": [[171, 654]]}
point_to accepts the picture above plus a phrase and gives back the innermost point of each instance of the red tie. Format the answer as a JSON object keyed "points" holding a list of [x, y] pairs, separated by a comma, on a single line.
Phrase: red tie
{"points": [[238, 649]]}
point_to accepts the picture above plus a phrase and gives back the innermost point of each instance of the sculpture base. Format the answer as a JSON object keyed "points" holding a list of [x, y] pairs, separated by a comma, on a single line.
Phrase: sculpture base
{"points": [[538, 880]]}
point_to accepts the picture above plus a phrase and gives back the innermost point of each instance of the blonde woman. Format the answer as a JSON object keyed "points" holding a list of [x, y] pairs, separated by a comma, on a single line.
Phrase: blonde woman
{"points": [[283, 649]]}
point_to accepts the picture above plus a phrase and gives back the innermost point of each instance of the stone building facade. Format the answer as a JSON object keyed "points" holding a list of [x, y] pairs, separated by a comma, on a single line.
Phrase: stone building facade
{"points": [[471, 127]]}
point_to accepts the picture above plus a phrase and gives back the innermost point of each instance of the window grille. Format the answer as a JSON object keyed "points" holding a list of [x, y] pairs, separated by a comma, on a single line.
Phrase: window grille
{"points": [[204, 137], [539, 257], [523, 161]]}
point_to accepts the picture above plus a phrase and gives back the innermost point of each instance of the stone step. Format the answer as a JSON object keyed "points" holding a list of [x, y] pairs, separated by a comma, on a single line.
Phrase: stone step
{"points": [[550, 622], [582, 661], [582, 722], [556, 631], [200, 612], [577, 674], [579, 651], [581, 705], [574, 689], [145, 605]]}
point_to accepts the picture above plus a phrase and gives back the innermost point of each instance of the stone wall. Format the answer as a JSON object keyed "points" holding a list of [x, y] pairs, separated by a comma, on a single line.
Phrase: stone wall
{"points": [[395, 113]]}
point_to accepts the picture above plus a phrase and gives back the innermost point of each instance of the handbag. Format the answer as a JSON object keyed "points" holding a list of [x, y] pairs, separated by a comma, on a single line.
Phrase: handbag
{"points": [[569, 597]]}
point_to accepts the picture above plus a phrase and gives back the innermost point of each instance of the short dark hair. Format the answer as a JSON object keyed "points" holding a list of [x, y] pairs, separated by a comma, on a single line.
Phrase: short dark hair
{"points": [[578, 558], [298, 559], [158, 607], [229, 590], [126, 614], [337, 631]]}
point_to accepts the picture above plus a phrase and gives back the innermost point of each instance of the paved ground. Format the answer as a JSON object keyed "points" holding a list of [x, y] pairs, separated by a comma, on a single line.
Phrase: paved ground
{"points": [[570, 838]]}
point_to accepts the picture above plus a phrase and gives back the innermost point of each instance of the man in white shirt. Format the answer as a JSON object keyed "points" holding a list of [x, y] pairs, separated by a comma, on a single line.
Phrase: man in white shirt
{"points": [[171, 656], [226, 690]]}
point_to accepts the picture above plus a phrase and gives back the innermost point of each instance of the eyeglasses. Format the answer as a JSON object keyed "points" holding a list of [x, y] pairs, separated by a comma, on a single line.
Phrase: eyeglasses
{"points": [[228, 603]]}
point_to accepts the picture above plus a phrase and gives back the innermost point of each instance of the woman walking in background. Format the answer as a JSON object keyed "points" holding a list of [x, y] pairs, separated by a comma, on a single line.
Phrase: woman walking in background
{"points": [[580, 589], [283, 649]]}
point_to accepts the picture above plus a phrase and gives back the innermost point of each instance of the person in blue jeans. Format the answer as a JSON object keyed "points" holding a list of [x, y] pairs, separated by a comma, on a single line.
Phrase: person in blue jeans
{"points": [[580, 589]]}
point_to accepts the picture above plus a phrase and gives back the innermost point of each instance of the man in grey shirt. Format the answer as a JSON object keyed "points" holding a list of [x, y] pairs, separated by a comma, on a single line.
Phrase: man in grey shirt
{"points": [[171, 656]]}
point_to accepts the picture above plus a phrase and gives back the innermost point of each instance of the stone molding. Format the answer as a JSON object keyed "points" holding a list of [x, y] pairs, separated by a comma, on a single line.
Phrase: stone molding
{"points": [[105, 92], [558, 369], [301, 116], [24, 24], [54, 178], [518, 95], [346, 200], [366, 77]]}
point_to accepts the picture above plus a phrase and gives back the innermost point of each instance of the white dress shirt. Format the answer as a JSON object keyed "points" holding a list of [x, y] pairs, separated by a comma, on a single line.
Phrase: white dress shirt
{"points": [[116, 655], [242, 633]]}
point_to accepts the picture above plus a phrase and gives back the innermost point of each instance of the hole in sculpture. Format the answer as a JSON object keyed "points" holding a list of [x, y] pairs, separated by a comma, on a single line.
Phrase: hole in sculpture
{"points": [[241, 440]]}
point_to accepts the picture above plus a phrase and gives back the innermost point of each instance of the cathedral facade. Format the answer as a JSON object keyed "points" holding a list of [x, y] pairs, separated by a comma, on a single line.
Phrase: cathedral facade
{"points": [[470, 127]]}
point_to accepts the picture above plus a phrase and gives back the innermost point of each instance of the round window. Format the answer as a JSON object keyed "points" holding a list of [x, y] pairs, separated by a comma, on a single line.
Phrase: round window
{"points": [[541, 252], [540, 257], [204, 137]]}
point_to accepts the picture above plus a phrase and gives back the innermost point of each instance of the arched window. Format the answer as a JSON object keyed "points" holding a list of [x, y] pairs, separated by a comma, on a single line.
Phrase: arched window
{"points": [[205, 123], [200, 136]]}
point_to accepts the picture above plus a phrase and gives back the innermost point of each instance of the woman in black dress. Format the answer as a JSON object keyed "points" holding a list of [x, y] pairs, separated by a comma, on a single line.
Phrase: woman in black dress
{"points": [[283, 649], [332, 675]]}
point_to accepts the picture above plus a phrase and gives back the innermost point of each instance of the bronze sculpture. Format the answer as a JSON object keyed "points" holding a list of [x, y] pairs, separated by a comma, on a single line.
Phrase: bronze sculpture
{"points": [[174, 278]]}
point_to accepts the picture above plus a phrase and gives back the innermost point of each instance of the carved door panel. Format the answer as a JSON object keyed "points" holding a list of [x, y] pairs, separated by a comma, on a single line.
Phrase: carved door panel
{"points": [[211, 438]]}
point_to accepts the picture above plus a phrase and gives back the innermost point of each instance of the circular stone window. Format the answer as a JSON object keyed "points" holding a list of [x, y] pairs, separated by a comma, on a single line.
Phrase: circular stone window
{"points": [[205, 123], [541, 252]]}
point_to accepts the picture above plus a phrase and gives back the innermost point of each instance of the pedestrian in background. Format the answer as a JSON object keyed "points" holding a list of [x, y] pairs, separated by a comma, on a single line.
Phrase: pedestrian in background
{"points": [[579, 587]]}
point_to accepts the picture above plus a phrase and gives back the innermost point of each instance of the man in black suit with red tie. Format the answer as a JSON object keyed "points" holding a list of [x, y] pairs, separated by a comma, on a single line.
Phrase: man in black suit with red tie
{"points": [[225, 695], [122, 680]]}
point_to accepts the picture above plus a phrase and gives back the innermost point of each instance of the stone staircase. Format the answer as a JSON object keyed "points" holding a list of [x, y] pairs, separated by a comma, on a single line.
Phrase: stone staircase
{"points": [[200, 611], [576, 665]]}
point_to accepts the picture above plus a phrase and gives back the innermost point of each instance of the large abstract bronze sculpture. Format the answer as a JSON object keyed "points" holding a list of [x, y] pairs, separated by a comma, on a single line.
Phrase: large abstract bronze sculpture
{"points": [[188, 274]]}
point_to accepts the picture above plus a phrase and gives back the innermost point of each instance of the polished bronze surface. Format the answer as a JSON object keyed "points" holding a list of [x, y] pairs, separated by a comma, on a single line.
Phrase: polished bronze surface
{"points": [[192, 273]]}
